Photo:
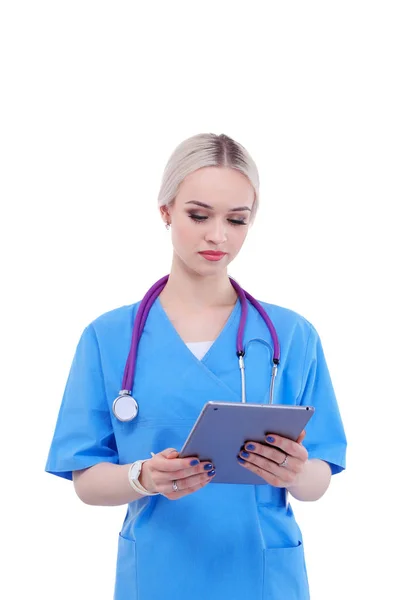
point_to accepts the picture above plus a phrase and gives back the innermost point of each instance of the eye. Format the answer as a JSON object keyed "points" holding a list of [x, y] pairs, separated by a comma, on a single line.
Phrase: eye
{"points": [[237, 221], [197, 218], [200, 218]]}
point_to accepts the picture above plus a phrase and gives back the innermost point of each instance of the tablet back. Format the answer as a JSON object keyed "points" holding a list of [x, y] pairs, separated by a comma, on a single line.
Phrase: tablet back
{"points": [[223, 427]]}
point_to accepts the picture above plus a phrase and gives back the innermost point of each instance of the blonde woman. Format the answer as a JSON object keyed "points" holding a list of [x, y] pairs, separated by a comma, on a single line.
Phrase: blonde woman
{"points": [[185, 536]]}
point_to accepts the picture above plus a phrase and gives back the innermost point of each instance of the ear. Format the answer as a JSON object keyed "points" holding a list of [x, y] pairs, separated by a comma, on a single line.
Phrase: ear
{"points": [[165, 215]]}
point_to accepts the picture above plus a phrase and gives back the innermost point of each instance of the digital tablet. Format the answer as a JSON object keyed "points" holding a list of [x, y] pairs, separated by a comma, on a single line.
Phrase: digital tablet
{"points": [[222, 428]]}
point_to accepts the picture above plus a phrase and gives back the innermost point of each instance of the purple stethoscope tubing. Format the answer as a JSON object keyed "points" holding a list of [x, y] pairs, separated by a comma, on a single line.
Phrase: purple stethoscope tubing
{"points": [[125, 395]]}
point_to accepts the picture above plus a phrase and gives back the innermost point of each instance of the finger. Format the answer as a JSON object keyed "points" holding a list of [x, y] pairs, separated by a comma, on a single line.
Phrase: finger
{"points": [[272, 454], [195, 480], [287, 446], [187, 492], [269, 471], [161, 477], [164, 463], [264, 474], [264, 450], [186, 486]]}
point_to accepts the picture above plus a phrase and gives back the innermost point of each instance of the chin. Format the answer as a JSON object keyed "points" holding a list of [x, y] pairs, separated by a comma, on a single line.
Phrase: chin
{"points": [[211, 269]]}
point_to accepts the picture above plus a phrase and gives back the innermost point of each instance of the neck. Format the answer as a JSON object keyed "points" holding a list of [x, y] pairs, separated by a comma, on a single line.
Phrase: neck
{"points": [[198, 291]]}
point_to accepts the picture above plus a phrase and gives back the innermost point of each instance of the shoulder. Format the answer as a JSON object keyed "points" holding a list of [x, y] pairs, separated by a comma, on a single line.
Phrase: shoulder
{"points": [[113, 322], [116, 315], [288, 322], [285, 315]]}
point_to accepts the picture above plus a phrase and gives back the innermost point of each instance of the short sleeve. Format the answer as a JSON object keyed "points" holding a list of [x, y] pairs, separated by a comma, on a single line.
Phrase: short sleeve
{"points": [[83, 434], [325, 437]]}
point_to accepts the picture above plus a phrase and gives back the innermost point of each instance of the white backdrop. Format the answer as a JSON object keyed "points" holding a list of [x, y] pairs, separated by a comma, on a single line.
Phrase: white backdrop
{"points": [[95, 96]]}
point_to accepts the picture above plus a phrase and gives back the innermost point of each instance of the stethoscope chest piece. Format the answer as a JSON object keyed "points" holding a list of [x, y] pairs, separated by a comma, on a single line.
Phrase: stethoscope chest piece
{"points": [[125, 407]]}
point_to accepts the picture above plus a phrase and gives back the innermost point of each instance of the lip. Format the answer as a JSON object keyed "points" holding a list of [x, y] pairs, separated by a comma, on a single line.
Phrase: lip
{"points": [[212, 254]]}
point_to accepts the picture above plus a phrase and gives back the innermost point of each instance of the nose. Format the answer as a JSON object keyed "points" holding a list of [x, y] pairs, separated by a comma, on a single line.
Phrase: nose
{"points": [[216, 232]]}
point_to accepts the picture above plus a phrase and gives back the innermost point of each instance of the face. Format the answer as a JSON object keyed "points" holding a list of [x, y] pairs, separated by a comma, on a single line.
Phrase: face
{"points": [[210, 218]]}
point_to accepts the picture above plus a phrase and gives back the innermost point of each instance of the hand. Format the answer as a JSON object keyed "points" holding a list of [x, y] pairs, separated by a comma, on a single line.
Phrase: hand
{"points": [[190, 474], [266, 460]]}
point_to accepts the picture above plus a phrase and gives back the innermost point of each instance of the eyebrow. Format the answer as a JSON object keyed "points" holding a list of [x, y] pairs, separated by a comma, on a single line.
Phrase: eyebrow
{"points": [[211, 208]]}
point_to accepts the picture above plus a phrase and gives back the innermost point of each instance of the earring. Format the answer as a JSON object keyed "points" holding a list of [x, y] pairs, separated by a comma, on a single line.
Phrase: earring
{"points": [[167, 225]]}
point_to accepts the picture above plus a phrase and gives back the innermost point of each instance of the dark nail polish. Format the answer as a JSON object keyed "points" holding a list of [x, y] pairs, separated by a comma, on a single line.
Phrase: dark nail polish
{"points": [[241, 460], [245, 454], [208, 467], [194, 462], [250, 447], [211, 473], [270, 439]]}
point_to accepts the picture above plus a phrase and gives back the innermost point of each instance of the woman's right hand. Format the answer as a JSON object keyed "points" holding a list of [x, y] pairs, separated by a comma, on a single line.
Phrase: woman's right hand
{"points": [[190, 474]]}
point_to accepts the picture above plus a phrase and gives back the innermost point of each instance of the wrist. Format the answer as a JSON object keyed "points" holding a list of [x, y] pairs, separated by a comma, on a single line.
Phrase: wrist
{"points": [[134, 477], [145, 480], [312, 482], [299, 478]]}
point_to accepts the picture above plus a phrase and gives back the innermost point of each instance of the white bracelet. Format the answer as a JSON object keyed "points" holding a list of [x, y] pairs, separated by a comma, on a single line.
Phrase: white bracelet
{"points": [[137, 486], [140, 490]]}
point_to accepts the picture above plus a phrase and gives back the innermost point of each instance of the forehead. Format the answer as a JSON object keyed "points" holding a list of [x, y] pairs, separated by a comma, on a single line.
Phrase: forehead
{"points": [[216, 185]]}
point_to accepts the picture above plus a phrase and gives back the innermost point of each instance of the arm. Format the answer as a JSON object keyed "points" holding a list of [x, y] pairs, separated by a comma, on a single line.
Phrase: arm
{"points": [[305, 471], [104, 484], [107, 484]]}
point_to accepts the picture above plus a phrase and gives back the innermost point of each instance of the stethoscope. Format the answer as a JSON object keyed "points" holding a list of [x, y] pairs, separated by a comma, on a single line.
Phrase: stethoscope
{"points": [[125, 407]]}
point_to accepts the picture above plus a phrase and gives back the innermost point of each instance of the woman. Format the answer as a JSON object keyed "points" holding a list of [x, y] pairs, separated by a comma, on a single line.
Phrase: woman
{"points": [[183, 537]]}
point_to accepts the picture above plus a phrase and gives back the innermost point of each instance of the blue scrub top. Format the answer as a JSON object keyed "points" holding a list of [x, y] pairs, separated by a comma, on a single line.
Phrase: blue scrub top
{"points": [[224, 541]]}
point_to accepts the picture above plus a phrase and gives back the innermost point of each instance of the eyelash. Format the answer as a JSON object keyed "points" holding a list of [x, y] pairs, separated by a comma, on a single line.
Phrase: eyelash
{"points": [[200, 219]]}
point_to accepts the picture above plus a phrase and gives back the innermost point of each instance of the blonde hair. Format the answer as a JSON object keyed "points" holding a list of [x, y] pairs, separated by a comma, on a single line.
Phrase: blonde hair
{"points": [[206, 150]]}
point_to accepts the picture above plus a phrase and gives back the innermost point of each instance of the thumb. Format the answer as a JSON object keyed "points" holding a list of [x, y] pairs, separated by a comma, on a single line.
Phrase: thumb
{"points": [[301, 437], [173, 454], [169, 453]]}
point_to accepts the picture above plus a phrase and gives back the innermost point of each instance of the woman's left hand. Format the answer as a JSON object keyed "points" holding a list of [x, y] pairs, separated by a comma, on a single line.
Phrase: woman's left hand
{"points": [[280, 463]]}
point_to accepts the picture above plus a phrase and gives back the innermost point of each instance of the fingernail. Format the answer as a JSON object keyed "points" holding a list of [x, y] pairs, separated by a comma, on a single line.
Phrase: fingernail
{"points": [[250, 447], [241, 460], [270, 439], [208, 467], [194, 462], [211, 473], [245, 454]]}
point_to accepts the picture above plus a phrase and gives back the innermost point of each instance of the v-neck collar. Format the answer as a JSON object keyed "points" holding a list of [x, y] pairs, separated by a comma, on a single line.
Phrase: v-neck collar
{"points": [[218, 340]]}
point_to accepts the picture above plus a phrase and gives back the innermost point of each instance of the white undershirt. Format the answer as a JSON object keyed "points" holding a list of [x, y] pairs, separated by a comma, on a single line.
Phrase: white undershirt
{"points": [[199, 349]]}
